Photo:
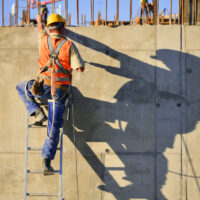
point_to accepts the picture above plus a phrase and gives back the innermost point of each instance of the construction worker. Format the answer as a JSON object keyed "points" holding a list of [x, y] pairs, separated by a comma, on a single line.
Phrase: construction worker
{"points": [[44, 13], [150, 7], [143, 8], [67, 58]]}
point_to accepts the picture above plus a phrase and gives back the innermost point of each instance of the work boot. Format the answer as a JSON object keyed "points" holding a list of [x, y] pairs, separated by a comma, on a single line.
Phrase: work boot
{"points": [[47, 168], [40, 117]]}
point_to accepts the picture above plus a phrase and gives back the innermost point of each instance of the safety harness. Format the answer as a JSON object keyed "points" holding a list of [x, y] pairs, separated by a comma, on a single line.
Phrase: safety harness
{"points": [[54, 60], [51, 80]]}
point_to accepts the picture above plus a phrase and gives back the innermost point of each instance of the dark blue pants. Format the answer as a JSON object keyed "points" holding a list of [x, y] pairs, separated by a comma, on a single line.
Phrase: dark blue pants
{"points": [[50, 144]]}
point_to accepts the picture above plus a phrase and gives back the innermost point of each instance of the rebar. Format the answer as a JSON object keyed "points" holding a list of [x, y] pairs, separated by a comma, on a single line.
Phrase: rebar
{"points": [[10, 19], [16, 12], [117, 15], [155, 12], [77, 11], [69, 19], [179, 12], [198, 12], [131, 14], [158, 16], [106, 12], [81, 19], [92, 11], [2, 12], [99, 18], [195, 11], [142, 13], [66, 11], [182, 13], [84, 20], [28, 13], [53, 6], [170, 11], [38, 6]]}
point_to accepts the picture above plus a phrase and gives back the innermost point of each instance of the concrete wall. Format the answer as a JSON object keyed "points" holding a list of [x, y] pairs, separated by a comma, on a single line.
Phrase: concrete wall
{"points": [[136, 109]]}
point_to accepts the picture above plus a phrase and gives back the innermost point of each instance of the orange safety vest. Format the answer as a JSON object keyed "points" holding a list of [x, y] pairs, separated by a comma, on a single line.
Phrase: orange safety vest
{"points": [[63, 68]]}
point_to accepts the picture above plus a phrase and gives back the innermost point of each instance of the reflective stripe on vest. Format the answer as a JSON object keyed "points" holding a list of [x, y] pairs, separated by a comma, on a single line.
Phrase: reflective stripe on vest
{"points": [[58, 71], [57, 78]]}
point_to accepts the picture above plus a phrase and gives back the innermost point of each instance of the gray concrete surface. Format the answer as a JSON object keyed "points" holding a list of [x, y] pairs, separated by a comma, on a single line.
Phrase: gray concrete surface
{"points": [[136, 109]]}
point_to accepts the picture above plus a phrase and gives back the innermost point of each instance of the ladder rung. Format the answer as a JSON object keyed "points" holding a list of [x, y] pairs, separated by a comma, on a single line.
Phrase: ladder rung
{"points": [[37, 148], [34, 148], [40, 171], [41, 194], [33, 126]]}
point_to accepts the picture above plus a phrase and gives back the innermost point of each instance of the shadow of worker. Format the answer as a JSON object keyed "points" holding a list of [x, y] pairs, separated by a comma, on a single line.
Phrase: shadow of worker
{"points": [[136, 144], [186, 71]]}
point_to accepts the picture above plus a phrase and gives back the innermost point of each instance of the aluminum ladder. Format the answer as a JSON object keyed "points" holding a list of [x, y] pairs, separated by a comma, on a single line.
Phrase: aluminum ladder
{"points": [[28, 171]]}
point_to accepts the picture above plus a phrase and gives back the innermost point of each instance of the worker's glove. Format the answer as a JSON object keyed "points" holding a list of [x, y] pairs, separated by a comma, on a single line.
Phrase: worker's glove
{"points": [[37, 87]]}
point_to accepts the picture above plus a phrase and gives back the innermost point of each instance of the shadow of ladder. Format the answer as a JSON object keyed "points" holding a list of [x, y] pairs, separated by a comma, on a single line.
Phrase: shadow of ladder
{"points": [[28, 171]]}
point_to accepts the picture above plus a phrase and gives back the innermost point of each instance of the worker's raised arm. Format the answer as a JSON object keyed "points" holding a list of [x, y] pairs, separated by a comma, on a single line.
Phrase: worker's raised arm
{"points": [[39, 23], [40, 28]]}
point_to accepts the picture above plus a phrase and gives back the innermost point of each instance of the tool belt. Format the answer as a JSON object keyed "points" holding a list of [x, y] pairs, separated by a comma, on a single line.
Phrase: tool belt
{"points": [[59, 86]]}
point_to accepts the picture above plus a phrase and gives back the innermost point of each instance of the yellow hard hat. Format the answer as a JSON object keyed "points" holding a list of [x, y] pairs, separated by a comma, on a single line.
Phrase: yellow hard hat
{"points": [[53, 18]]}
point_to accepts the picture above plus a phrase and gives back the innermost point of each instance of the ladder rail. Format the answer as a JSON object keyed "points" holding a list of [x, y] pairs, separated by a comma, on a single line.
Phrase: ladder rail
{"points": [[26, 157], [61, 160]]}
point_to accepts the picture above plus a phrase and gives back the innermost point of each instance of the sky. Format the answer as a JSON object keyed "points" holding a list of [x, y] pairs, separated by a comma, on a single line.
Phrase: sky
{"points": [[84, 8]]}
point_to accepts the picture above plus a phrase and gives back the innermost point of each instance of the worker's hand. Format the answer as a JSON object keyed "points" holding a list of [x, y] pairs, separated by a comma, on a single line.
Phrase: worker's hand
{"points": [[37, 87], [39, 19], [80, 69]]}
